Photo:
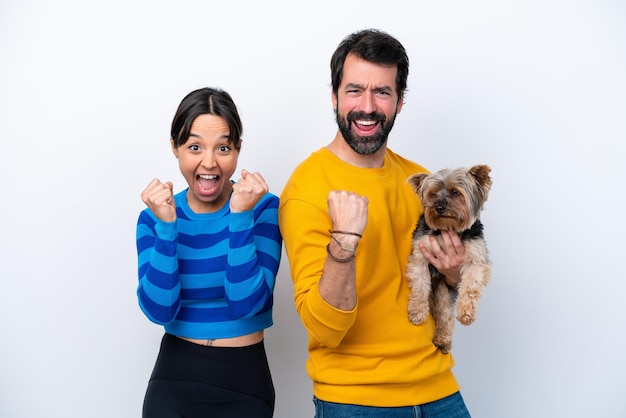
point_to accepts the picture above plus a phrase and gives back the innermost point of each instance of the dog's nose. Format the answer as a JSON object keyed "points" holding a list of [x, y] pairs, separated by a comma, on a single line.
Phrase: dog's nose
{"points": [[441, 207]]}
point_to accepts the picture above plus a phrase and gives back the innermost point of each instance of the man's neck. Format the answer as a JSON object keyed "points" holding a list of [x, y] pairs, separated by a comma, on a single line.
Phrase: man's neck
{"points": [[342, 150]]}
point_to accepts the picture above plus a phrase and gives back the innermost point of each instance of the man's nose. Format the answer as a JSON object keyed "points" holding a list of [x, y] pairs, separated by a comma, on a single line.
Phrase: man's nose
{"points": [[367, 103]]}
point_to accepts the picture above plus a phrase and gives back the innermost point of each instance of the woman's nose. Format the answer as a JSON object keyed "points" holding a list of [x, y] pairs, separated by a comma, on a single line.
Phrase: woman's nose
{"points": [[208, 161]]}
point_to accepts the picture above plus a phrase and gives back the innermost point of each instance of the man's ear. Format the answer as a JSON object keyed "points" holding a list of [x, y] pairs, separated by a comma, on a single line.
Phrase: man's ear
{"points": [[400, 103]]}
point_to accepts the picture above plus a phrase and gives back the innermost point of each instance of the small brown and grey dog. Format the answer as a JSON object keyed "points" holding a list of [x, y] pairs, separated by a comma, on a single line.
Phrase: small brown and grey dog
{"points": [[453, 200]]}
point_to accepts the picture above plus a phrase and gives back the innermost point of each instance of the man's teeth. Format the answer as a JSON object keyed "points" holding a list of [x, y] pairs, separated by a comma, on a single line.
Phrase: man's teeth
{"points": [[207, 176], [365, 122]]}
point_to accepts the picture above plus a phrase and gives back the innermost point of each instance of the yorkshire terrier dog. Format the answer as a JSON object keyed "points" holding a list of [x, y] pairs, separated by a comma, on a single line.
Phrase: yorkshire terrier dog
{"points": [[452, 201]]}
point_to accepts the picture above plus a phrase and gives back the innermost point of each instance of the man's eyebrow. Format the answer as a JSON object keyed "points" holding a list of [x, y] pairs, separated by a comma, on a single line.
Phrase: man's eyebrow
{"points": [[354, 86], [361, 87]]}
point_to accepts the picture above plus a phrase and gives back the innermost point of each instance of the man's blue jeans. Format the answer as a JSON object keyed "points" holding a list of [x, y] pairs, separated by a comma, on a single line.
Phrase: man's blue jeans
{"points": [[452, 406]]}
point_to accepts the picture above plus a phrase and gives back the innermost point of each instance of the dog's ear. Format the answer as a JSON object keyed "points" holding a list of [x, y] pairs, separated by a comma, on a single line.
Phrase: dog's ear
{"points": [[481, 174], [416, 180]]}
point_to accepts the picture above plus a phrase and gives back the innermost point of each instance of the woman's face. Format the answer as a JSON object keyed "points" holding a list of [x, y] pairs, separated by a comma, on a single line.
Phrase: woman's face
{"points": [[207, 161]]}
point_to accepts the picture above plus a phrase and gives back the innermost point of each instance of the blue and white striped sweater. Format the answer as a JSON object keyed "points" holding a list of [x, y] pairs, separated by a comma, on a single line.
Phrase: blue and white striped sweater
{"points": [[209, 275]]}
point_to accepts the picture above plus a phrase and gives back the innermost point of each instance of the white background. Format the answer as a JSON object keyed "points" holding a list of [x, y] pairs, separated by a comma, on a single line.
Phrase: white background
{"points": [[536, 89]]}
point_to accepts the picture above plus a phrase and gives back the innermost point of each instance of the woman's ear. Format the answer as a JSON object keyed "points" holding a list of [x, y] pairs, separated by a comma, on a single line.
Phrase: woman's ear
{"points": [[174, 148]]}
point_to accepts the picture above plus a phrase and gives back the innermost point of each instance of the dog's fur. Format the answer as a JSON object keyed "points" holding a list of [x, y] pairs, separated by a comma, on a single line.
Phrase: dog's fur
{"points": [[452, 200]]}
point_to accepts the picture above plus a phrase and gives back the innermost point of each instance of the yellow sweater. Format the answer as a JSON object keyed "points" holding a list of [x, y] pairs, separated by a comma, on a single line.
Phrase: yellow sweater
{"points": [[371, 355]]}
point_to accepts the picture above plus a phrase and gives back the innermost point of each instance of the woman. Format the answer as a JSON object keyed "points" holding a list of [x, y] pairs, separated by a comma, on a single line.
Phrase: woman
{"points": [[208, 258]]}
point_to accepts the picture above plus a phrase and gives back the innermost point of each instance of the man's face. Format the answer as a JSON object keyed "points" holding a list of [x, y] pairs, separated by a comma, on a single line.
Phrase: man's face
{"points": [[366, 104]]}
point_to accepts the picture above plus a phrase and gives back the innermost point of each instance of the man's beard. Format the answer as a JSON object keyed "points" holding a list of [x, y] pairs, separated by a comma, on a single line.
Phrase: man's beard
{"points": [[364, 145]]}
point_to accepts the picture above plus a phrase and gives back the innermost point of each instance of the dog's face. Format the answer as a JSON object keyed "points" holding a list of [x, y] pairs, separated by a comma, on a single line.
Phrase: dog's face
{"points": [[452, 198]]}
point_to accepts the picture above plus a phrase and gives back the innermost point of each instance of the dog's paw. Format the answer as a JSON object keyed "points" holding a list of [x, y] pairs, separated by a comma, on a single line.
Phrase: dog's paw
{"points": [[418, 309], [417, 317], [442, 343], [466, 309], [466, 318]]}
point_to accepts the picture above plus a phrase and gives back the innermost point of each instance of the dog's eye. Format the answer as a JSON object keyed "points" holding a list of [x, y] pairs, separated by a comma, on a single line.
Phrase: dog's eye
{"points": [[454, 193]]}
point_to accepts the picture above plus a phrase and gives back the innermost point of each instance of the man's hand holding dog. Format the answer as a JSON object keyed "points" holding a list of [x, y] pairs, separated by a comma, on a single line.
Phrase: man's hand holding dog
{"points": [[449, 259]]}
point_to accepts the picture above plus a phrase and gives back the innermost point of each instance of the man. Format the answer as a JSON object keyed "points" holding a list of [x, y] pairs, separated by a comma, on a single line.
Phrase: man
{"points": [[347, 215]]}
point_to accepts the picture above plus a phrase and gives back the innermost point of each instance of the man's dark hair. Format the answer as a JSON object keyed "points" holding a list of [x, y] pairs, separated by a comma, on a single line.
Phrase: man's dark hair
{"points": [[374, 46]]}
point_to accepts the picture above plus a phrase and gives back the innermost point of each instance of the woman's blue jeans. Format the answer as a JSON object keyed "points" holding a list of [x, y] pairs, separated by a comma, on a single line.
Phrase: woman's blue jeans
{"points": [[452, 406]]}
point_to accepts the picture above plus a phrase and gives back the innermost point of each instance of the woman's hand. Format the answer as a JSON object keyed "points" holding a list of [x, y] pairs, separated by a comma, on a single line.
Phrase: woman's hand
{"points": [[159, 197], [248, 191]]}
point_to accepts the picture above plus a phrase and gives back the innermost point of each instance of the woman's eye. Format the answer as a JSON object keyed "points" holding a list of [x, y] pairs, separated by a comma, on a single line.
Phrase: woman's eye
{"points": [[224, 148], [194, 147]]}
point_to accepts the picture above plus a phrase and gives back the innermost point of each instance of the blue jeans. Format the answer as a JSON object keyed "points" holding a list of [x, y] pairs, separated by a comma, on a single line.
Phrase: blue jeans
{"points": [[452, 406]]}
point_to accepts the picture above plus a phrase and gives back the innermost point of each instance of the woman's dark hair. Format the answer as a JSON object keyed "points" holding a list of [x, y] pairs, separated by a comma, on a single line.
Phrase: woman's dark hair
{"points": [[374, 46], [211, 101]]}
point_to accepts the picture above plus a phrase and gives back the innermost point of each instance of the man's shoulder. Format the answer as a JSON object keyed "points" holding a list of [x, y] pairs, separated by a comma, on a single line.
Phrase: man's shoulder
{"points": [[307, 176], [316, 161], [405, 164], [315, 157]]}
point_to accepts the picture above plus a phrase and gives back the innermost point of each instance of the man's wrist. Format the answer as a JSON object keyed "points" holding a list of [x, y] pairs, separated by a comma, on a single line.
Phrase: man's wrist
{"points": [[346, 246], [452, 283]]}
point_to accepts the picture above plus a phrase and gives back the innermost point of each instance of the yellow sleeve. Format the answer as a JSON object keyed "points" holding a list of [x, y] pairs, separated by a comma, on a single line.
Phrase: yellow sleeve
{"points": [[310, 224]]}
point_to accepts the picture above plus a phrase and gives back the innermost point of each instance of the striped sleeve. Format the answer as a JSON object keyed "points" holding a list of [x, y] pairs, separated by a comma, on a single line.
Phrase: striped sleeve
{"points": [[159, 286], [253, 259]]}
